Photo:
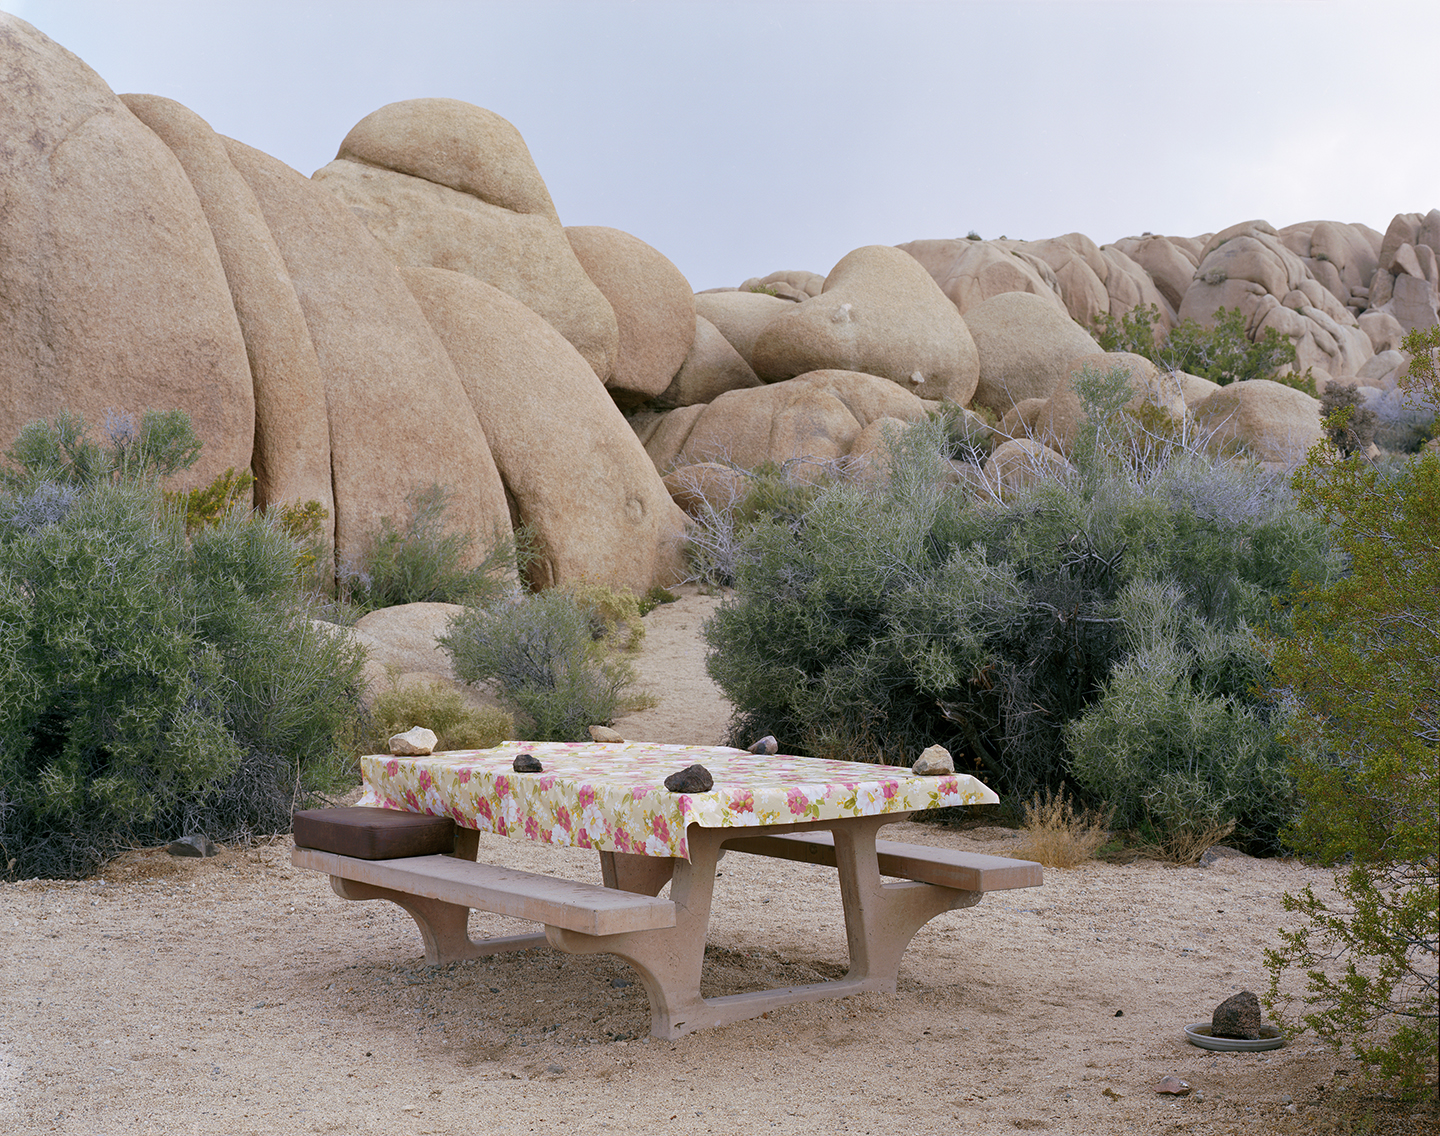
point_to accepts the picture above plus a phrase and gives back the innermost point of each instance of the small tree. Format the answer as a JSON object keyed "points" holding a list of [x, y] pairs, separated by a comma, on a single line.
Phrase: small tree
{"points": [[1365, 665], [1223, 352]]}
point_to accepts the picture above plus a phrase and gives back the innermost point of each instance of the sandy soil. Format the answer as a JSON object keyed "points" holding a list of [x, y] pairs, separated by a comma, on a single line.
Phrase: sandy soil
{"points": [[239, 995]]}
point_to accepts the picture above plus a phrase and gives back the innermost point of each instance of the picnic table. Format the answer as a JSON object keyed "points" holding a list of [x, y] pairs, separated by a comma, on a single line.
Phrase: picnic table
{"points": [[610, 797]]}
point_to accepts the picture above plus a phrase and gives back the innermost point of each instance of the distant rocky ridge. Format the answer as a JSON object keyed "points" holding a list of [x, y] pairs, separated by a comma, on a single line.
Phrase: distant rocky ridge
{"points": [[416, 313]]}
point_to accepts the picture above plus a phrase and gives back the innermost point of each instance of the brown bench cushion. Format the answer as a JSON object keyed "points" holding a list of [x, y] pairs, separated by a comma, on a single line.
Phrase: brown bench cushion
{"points": [[374, 834]]}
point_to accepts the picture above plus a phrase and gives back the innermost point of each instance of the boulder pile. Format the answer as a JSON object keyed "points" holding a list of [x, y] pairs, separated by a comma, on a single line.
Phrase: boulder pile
{"points": [[416, 314]]}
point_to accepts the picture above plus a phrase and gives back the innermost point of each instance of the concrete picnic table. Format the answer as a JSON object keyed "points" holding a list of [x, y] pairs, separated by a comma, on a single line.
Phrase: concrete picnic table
{"points": [[610, 797]]}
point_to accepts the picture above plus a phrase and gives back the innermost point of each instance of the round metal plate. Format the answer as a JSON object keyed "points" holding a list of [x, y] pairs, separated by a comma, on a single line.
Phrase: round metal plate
{"points": [[1199, 1034]]}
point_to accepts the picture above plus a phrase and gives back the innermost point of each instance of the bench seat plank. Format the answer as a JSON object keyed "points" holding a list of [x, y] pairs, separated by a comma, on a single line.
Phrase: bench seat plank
{"points": [[967, 871], [587, 908]]}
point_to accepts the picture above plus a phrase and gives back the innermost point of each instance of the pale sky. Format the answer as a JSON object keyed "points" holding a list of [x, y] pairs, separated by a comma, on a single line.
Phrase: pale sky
{"points": [[739, 138]]}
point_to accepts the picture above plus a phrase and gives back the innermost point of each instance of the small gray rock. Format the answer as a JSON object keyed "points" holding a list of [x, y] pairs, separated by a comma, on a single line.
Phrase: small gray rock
{"points": [[603, 734], [693, 779], [1172, 1086], [527, 763], [934, 762], [197, 844], [1220, 852], [766, 745], [1238, 1016]]}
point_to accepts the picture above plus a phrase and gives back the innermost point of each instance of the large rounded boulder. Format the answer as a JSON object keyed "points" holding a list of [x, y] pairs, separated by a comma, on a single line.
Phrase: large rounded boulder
{"points": [[741, 317], [653, 304], [970, 272], [444, 184], [291, 455], [811, 419], [113, 297], [1273, 422], [399, 418], [711, 368], [879, 313], [1025, 344], [575, 472]]}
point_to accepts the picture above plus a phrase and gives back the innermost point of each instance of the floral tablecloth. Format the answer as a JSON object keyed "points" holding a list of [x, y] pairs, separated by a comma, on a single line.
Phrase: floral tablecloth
{"points": [[612, 796]]}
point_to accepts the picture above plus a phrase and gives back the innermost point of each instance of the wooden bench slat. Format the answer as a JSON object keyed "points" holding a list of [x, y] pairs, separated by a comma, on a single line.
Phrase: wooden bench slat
{"points": [[968, 871], [587, 908]]}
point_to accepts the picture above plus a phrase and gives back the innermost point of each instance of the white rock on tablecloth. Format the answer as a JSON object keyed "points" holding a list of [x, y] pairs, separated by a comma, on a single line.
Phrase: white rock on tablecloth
{"points": [[414, 742], [934, 762]]}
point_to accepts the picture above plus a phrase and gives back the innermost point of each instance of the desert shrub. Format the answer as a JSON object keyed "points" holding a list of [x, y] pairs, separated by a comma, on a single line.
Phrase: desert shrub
{"points": [[541, 654], [1175, 751], [615, 616], [206, 504], [153, 684], [424, 561], [654, 597], [968, 437], [63, 453], [304, 524], [1364, 665], [888, 618], [1223, 353], [457, 725], [1349, 423], [772, 493]]}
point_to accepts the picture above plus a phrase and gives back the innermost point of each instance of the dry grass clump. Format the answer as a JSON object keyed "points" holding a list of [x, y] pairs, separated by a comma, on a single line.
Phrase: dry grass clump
{"points": [[1057, 834], [1186, 845], [457, 724]]}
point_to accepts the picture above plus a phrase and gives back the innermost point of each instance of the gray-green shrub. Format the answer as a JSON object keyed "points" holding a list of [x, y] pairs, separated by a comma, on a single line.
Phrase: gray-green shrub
{"points": [[885, 619], [152, 685], [423, 560], [541, 653]]}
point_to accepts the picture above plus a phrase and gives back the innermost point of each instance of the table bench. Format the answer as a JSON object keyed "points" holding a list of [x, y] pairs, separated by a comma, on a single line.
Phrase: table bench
{"points": [[664, 939], [944, 867]]}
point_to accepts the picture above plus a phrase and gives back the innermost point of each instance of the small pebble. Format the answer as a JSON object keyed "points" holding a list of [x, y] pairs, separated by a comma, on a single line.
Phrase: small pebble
{"points": [[527, 763], [1173, 1085], [766, 745], [693, 779]]}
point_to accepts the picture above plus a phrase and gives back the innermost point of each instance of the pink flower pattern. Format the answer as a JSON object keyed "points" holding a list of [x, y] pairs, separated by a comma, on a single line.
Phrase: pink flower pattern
{"points": [[611, 797]]}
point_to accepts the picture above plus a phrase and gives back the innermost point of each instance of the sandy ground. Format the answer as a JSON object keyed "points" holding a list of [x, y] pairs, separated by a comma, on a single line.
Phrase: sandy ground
{"points": [[239, 995]]}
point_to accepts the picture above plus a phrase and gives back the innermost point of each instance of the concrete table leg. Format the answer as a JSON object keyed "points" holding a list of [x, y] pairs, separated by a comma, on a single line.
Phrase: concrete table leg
{"points": [[643, 875]]}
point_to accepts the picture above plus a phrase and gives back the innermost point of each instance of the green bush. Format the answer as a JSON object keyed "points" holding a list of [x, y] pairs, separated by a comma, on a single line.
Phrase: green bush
{"points": [[1174, 747], [424, 561], [1364, 665], [62, 453], [1223, 353], [542, 655], [151, 685], [438, 708], [885, 619], [208, 503]]}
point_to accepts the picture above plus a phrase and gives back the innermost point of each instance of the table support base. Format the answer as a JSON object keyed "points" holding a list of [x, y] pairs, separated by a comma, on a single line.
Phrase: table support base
{"points": [[880, 921]]}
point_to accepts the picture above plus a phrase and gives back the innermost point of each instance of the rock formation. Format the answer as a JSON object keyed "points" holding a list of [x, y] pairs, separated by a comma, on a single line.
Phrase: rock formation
{"points": [[416, 314]]}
